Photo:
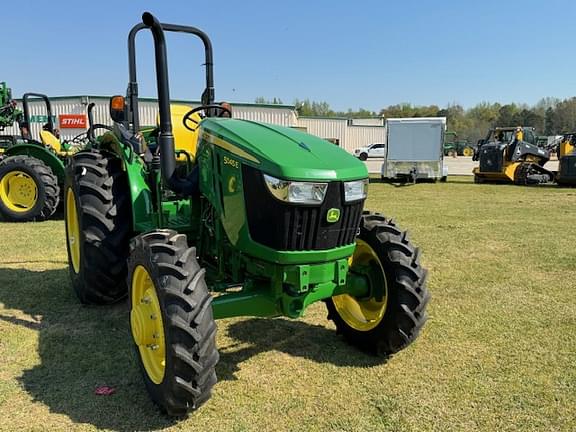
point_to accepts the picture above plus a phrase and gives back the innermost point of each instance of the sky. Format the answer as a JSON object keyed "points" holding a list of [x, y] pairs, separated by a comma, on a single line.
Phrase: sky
{"points": [[367, 54]]}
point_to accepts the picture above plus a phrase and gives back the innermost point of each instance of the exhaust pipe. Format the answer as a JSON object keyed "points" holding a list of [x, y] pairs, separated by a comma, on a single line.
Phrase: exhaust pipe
{"points": [[165, 136]]}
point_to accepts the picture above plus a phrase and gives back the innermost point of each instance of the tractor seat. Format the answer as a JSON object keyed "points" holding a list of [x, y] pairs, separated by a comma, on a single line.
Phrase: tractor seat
{"points": [[184, 139], [48, 139]]}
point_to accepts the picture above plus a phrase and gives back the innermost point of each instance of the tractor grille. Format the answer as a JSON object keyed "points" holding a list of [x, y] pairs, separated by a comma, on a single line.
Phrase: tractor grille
{"points": [[296, 227], [491, 159]]}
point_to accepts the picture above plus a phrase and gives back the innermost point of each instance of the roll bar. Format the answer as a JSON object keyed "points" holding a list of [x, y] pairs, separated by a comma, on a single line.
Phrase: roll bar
{"points": [[165, 136], [25, 104], [132, 93]]}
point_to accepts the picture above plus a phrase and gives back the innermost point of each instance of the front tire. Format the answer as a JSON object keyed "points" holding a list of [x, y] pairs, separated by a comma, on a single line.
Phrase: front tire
{"points": [[395, 311], [28, 189], [98, 221], [363, 156], [172, 322]]}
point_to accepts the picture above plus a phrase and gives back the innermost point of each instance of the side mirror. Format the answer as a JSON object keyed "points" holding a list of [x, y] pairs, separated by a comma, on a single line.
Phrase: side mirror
{"points": [[118, 109]]}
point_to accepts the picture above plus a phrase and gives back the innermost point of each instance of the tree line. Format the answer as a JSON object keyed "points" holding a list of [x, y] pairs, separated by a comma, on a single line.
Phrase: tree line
{"points": [[550, 116]]}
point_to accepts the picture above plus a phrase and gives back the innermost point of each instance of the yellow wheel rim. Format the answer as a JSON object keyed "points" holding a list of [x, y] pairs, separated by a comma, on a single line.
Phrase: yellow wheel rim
{"points": [[363, 314], [146, 324], [73, 230], [18, 191], [467, 151]]}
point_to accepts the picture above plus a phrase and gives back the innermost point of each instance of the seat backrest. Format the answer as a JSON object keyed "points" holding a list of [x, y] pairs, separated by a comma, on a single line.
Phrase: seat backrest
{"points": [[184, 139], [49, 139]]}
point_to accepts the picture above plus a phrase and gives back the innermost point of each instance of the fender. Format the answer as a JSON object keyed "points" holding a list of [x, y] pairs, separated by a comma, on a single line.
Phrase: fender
{"points": [[38, 151], [140, 193]]}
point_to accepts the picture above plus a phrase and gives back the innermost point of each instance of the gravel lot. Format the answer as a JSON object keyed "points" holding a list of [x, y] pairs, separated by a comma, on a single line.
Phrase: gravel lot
{"points": [[460, 165]]}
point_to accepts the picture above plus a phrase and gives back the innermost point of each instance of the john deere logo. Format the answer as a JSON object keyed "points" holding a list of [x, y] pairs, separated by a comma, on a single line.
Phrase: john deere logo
{"points": [[333, 215]]}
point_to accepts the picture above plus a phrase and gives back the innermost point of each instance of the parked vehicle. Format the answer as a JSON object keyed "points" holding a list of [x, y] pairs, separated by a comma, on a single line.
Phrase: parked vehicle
{"points": [[453, 146], [415, 149], [511, 155], [257, 220], [371, 151]]}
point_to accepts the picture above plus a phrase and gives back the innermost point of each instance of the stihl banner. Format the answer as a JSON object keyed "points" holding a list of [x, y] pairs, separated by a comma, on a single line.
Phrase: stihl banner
{"points": [[72, 121]]}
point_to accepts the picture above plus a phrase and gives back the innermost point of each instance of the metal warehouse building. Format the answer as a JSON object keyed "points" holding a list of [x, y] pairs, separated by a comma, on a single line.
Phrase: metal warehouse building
{"points": [[70, 117], [347, 133]]}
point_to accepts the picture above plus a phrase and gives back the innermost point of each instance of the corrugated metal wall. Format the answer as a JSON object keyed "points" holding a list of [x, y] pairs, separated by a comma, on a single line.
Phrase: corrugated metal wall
{"points": [[326, 128], [367, 121], [361, 136], [282, 115], [39, 116], [349, 137]]}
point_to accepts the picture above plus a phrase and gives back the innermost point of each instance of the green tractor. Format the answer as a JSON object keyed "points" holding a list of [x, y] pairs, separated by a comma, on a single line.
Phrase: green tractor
{"points": [[9, 114], [208, 217], [456, 147], [32, 171]]}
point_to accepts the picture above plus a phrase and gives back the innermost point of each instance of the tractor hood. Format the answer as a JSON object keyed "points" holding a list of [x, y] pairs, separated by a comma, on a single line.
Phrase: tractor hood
{"points": [[283, 152]]}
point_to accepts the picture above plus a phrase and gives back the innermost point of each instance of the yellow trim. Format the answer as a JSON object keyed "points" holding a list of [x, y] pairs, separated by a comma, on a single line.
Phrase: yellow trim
{"points": [[73, 230], [510, 170], [228, 146], [146, 324], [18, 191], [565, 148], [362, 314], [507, 174], [468, 151], [49, 139], [184, 139]]}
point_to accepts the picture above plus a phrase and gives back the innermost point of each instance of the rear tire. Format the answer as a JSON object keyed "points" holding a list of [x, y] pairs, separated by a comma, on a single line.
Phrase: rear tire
{"points": [[184, 381], [407, 296], [42, 184], [101, 197]]}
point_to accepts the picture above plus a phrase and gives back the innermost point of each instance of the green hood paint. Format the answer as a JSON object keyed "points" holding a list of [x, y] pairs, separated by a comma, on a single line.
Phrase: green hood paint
{"points": [[287, 153]]}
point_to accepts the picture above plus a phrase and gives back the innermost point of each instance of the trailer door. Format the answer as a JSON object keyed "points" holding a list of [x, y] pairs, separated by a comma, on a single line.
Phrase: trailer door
{"points": [[415, 141]]}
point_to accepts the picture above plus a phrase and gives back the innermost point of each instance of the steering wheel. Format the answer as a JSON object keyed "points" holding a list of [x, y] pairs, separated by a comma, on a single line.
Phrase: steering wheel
{"points": [[188, 116]]}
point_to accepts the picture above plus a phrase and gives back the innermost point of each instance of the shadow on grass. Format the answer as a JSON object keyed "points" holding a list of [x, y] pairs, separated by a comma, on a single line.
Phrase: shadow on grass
{"points": [[295, 338], [81, 348]]}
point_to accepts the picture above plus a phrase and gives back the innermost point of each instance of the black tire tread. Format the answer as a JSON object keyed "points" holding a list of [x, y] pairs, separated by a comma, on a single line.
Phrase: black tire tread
{"points": [[190, 329], [50, 183], [407, 293], [101, 189]]}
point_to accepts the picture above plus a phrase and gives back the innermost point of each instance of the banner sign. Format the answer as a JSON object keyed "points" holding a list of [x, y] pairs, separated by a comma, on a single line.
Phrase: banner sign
{"points": [[72, 121]]}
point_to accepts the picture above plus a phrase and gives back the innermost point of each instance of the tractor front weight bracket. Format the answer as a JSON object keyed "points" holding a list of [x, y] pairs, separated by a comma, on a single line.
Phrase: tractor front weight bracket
{"points": [[291, 290]]}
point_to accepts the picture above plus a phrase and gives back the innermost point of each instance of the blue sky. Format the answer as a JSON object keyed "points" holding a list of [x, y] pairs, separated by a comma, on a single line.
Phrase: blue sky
{"points": [[350, 54]]}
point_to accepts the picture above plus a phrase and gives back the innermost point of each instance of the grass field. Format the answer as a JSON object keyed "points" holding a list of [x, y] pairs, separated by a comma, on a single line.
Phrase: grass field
{"points": [[498, 351]]}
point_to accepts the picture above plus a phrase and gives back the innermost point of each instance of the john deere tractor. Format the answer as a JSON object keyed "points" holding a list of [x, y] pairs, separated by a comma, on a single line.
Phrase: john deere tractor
{"points": [[9, 114], [510, 155], [567, 160], [32, 171], [208, 217]]}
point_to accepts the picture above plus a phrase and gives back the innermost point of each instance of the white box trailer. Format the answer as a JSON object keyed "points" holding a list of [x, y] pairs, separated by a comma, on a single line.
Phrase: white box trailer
{"points": [[414, 148]]}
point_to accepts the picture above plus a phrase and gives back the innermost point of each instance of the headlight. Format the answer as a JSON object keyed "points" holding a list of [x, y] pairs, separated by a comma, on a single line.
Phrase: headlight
{"points": [[296, 192], [355, 190]]}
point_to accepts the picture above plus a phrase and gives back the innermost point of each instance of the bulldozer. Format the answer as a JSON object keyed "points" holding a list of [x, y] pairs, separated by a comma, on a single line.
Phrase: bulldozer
{"points": [[566, 152], [510, 155], [207, 217]]}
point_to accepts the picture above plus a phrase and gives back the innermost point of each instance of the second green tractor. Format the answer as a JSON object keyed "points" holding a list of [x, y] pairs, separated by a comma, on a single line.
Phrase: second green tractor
{"points": [[208, 217]]}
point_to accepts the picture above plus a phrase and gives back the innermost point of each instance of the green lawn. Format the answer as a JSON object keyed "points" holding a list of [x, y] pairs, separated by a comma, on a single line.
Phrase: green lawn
{"points": [[498, 351]]}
